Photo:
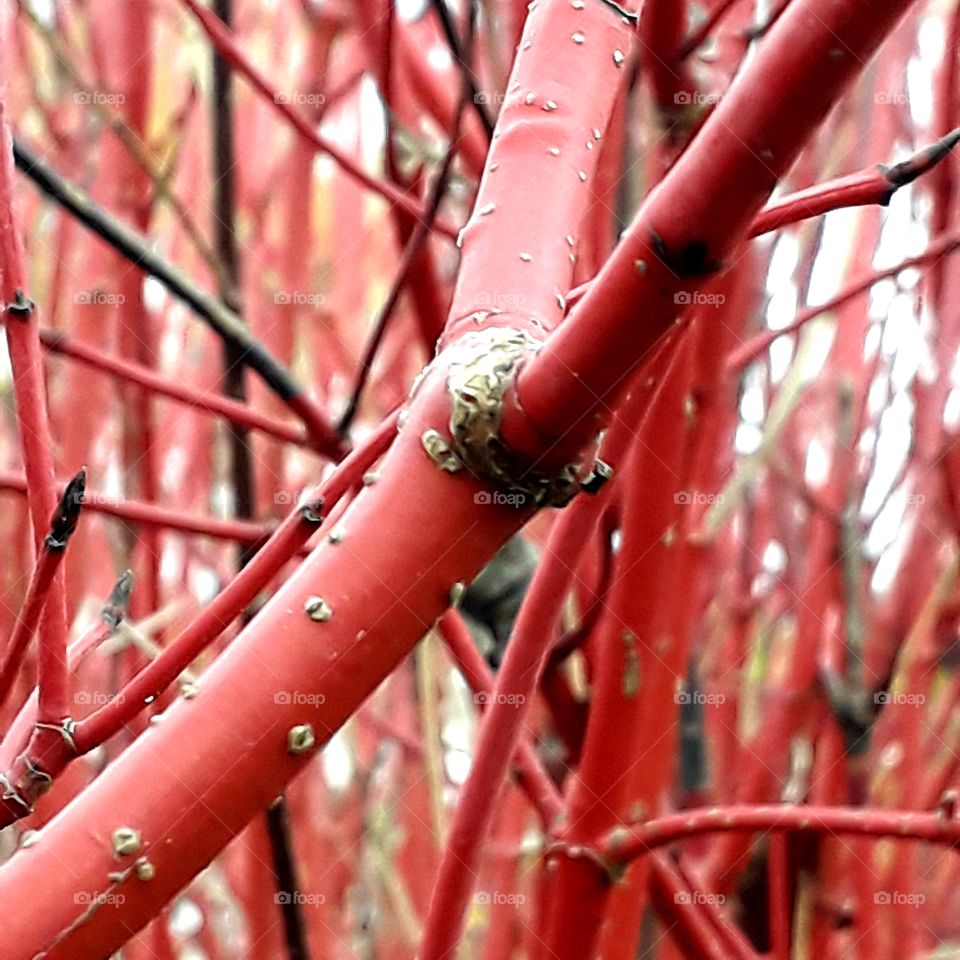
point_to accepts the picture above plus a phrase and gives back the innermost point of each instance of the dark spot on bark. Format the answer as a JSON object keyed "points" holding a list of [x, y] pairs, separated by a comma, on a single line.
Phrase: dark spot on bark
{"points": [[692, 261]]}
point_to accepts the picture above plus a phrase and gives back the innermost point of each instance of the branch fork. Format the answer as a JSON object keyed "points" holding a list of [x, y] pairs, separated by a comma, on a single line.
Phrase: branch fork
{"points": [[482, 368]]}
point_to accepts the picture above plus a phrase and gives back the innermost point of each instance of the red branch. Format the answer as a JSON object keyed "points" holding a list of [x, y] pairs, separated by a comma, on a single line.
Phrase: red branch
{"points": [[229, 49], [755, 347], [625, 844], [53, 656], [154, 515], [232, 410], [872, 185]]}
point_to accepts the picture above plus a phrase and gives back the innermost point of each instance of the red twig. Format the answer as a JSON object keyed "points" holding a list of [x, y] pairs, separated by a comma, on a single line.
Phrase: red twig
{"points": [[154, 515], [24, 756], [688, 916], [36, 443], [130, 372], [625, 844], [53, 659], [693, 220], [499, 735], [287, 540], [50, 750], [530, 773], [778, 897], [874, 185], [229, 49], [757, 345], [408, 259], [700, 35]]}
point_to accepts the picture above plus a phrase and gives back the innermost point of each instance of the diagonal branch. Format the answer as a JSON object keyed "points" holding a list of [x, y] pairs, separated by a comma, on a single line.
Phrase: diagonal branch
{"points": [[229, 49], [135, 248]]}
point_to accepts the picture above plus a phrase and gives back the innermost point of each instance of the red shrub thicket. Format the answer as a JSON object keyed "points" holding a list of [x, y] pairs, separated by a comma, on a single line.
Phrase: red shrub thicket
{"points": [[628, 627]]}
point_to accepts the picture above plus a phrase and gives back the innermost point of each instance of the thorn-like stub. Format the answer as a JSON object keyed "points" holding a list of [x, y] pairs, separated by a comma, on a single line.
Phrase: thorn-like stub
{"points": [[126, 842], [312, 510], [118, 601], [300, 739], [65, 517], [597, 477], [318, 609], [22, 307], [947, 804], [900, 174], [438, 450], [29, 838], [145, 870]]}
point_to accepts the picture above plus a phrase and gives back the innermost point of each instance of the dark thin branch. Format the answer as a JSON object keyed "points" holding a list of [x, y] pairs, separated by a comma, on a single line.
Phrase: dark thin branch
{"points": [[700, 35], [284, 868], [464, 59], [241, 464], [411, 250], [135, 248]]}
